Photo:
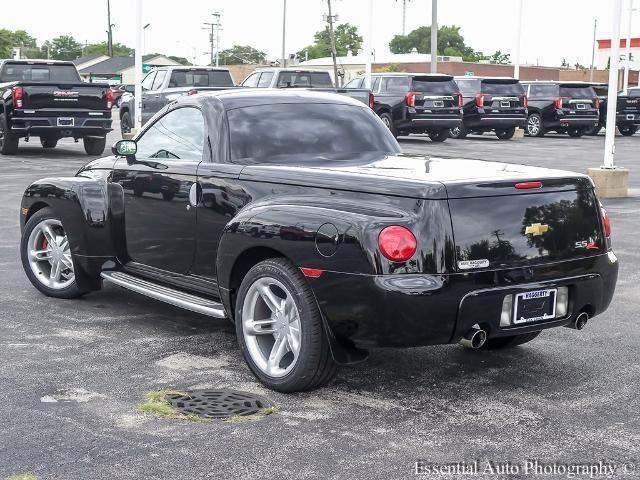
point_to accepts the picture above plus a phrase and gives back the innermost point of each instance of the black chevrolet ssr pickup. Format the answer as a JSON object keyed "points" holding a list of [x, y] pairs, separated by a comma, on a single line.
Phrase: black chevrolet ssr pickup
{"points": [[48, 99], [295, 215]]}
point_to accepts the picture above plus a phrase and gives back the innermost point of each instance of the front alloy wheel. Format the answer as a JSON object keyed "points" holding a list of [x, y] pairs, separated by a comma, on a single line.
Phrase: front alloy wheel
{"points": [[46, 256], [280, 328]]}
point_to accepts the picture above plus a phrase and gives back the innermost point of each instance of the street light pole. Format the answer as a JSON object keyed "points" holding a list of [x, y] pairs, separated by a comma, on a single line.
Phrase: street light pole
{"points": [[627, 57], [609, 142], [332, 36], [434, 36], [368, 48], [593, 49], [144, 38], [516, 68], [284, 33], [109, 32], [138, 66]]}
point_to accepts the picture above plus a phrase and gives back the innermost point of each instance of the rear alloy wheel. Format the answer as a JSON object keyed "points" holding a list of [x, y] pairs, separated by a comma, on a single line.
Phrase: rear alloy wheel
{"points": [[94, 146], [458, 132], [388, 122], [440, 136], [534, 125], [8, 140], [46, 256], [505, 133], [280, 330], [48, 142], [509, 342], [576, 132], [628, 130]]}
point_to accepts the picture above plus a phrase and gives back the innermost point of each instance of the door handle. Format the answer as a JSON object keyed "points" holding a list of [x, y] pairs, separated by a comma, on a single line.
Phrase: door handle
{"points": [[156, 96], [194, 196]]}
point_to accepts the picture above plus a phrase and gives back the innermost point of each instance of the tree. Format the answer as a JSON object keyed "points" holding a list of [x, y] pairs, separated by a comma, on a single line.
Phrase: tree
{"points": [[65, 47], [500, 58], [119, 50], [241, 54], [180, 60], [347, 41], [6, 43], [450, 43], [18, 39]]}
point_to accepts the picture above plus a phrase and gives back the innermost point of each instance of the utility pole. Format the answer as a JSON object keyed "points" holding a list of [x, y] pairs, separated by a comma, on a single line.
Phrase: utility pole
{"points": [[593, 49], [627, 58], [368, 48], [404, 16], [434, 36], [609, 142], [332, 36], [214, 38], [109, 31], [138, 66], [284, 33], [516, 68]]}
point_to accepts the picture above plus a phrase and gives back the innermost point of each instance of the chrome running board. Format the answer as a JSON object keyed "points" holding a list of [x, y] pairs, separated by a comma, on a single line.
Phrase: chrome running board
{"points": [[165, 294]]}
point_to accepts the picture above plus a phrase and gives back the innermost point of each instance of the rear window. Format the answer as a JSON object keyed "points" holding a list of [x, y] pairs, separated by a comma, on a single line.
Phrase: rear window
{"points": [[395, 85], [275, 134], [305, 79], [434, 85], [469, 86], [502, 88], [633, 92], [39, 73], [200, 78], [577, 92], [543, 91]]}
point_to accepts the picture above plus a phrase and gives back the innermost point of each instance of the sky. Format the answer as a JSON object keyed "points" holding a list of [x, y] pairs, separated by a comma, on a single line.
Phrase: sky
{"points": [[553, 30]]}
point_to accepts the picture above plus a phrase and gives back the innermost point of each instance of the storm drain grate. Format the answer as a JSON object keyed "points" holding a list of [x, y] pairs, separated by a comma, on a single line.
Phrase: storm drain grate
{"points": [[218, 403]]}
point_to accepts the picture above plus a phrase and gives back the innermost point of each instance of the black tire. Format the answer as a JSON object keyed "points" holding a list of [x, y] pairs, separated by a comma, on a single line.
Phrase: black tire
{"points": [[387, 119], [505, 133], [534, 127], [167, 196], [576, 132], [628, 130], [315, 366], [593, 131], [458, 132], [125, 122], [509, 342], [8, 140], [119, 101], [72, 290], [439, 136], [94, 146], [48, 142]]}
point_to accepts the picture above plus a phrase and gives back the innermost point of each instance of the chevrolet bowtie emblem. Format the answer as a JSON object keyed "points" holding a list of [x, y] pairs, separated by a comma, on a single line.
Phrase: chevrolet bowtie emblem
{"points": [[536, 229]]}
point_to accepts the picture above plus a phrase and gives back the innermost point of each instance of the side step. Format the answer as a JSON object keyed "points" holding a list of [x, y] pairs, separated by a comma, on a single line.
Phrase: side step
{"points": [[165, 294]]}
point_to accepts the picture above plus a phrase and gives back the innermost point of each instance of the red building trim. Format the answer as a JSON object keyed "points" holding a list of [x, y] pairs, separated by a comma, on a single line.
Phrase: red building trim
{"points": [[606, 43]]}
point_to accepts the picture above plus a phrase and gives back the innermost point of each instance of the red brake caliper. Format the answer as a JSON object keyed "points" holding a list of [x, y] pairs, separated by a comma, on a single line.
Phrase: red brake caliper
{"points": [[45, 244]]}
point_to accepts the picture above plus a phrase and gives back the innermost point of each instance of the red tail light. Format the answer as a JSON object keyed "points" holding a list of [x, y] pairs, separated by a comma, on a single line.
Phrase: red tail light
{"points": [[460, 101], [410, 99], [525, 101], [528, 185], [17, 96], [109, 96], [193, 91], [480, 99], [372, 101], [397, 243], [606, 222], [557, 102], [596, 103]]}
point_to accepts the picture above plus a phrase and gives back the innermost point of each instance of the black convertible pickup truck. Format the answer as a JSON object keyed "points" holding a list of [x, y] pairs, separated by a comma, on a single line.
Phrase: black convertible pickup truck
{"points": [[318, 239], [48, 99]]}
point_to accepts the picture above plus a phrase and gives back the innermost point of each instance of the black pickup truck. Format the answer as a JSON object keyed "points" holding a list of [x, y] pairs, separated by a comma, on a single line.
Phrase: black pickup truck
{"points": [[565, 107], [318, 239], [415, 102], [497, 104], [627, 112], [48, 99]]}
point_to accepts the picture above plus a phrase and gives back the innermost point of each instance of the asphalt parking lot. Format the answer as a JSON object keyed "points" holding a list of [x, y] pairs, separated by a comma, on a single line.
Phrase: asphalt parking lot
{"points": [[567, 397]]}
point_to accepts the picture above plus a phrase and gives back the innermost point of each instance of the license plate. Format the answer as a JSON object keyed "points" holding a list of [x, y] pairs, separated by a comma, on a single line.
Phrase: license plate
{"points": [[438, 103], [505, 104], [66, 121], [581, 106], [535, 306], [631, 117]]}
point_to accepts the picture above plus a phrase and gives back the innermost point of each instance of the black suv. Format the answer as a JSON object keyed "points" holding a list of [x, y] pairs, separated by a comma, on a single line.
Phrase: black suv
{"points": [[415, 102], [565, 107], [496, 104], [627, 112]]}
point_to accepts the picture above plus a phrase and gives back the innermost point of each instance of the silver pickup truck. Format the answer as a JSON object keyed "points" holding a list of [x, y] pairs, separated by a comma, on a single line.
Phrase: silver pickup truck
{"points": [[163, 85], [318, 80]]}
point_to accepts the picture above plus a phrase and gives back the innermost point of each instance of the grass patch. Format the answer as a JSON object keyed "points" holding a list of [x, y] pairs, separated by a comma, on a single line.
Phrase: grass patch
{"points": [[251, 418], [155, 403], [22, 476]]}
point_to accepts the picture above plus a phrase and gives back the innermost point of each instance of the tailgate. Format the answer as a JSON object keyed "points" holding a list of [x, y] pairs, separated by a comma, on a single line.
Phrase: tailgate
{"points": [[85, 96], [628, 104], [525, 229]]}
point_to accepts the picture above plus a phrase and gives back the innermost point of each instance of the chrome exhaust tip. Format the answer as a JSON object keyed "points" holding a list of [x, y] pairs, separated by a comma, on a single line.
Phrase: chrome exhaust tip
{"points": [[474, 338], [580, 321]]}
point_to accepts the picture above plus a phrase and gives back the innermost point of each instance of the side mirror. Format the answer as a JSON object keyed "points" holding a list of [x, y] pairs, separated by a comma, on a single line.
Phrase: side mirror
{"points": [[125, 148]]}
